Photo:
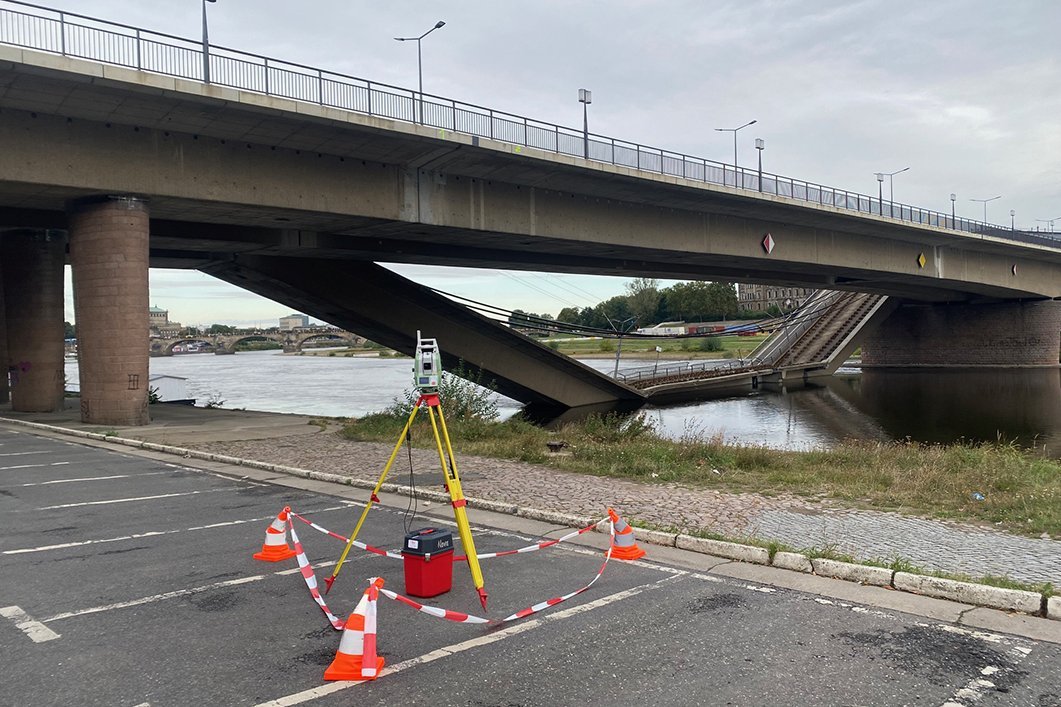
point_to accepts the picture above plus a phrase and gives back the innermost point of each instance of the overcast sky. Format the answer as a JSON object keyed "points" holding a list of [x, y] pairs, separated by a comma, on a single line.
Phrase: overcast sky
{"points": [[967, 93]]}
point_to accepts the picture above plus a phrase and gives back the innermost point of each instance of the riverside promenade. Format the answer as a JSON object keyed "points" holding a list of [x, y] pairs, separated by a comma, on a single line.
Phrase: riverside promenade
{"points": [[295, 441]]}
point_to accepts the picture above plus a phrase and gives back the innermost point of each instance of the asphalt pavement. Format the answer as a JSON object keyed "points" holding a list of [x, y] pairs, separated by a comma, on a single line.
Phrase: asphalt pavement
{"points": [[128, 580]]}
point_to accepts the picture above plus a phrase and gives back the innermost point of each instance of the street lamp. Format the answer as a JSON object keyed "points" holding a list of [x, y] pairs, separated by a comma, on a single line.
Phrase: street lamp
{"points": [[891, 190], [1012, 215], [734, 131], [760, 145], [206, 45], [585, 97], [953, 196], [1049, 222], [420, 63], [880, 193], [620, 329], [984, 202]]}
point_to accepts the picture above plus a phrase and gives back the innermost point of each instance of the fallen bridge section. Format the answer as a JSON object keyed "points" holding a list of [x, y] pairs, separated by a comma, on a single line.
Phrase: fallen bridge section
{"points": [[390, 309]]}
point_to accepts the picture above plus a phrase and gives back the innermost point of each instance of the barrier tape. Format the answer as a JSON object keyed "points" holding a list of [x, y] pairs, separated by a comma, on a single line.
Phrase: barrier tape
{"points": [[462, 618], [457, 558], [311, 579], [456, 616], [356, 543]]}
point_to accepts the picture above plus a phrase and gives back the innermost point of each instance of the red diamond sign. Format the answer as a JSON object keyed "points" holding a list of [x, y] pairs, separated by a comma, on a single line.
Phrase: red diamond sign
{"points": [[768, 244]]}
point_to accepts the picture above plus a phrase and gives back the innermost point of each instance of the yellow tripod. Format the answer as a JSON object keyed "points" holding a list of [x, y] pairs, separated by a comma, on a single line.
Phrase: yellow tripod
{"points": [[453, 486]]}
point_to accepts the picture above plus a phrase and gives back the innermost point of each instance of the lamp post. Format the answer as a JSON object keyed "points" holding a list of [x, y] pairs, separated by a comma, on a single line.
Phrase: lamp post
{"points": [[1049, 222], [206, 45], [984, 202], [953, 196], [1012, 216], [760, 145], [734, 131], [585, 97], [420, 64], [880, 193], [891, 188], [620, 329]]}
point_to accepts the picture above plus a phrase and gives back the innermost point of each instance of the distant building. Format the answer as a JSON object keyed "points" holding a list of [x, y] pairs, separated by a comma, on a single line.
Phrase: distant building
{"points": [[759, 298], [293, 321], [158, 323]]}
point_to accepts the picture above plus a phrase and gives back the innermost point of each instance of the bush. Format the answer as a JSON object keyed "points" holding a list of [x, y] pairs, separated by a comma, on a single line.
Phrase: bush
{"points": [[606, 345], [711, 343], [463, 394]]}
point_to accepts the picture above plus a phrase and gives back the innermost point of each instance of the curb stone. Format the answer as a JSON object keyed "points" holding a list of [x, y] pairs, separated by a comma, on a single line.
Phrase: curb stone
{"points": [[968, 593], [863, 574], [965, 592], [720, 548], [792, 561]]}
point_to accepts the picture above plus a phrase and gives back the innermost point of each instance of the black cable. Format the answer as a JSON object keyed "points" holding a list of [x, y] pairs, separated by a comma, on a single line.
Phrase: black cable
{"points": [[413, 506]]}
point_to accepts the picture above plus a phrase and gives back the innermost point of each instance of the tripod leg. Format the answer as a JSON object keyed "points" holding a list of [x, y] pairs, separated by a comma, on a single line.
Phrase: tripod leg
{"points": [[364, 513], [456, 494]]}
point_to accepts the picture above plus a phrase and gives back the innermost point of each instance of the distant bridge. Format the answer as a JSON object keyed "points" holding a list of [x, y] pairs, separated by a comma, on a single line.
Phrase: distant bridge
{"points": [[292, 341]]}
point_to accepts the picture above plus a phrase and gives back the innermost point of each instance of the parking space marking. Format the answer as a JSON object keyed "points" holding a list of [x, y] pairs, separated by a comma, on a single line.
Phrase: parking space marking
{"points": [[37, 632], [514, 630], [31, 466], [91, 478], [155, 533], [136, 498], [177, 593]]}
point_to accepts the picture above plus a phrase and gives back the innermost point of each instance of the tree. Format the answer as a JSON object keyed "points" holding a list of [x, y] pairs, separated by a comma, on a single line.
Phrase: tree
{"points": [[643, 298], [71, 331], [570, 315], [221, 329]]}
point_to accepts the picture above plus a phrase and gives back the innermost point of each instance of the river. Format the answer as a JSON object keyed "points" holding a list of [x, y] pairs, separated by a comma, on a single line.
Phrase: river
{"points": [[927, 405]]}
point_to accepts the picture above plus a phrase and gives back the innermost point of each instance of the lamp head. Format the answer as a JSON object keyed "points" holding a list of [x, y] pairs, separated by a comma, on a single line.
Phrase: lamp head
{"points": [[880, 176], [438, 25], [953, 196], [585, 96], [759, 143]]}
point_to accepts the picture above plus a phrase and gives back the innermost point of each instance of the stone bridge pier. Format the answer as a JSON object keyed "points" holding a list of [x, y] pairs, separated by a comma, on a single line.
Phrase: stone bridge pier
{"points": [[1018, 334]]}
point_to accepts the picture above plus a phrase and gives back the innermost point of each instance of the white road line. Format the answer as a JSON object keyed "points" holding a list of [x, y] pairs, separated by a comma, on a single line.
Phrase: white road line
{"points": [[21, 454], [38, 632], [32, 466], [135, 498], [152, 533], [177, 593], [92, 478], [516, 629]]}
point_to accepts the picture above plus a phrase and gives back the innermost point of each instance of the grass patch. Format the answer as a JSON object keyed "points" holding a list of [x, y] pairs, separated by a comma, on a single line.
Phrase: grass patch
{"points": [[1020, 491]]}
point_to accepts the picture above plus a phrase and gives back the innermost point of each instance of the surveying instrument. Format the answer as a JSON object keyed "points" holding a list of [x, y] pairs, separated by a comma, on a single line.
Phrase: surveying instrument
{"points": [[427, 372]]}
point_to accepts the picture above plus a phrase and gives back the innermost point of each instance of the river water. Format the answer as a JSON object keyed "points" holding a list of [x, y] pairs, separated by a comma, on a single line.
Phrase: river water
{"points": [[929, 405]]}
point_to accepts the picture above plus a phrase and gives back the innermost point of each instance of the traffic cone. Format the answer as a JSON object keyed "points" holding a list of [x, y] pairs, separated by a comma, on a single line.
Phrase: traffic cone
{"points": [[356, 658], [276, 548], [623, 545]]}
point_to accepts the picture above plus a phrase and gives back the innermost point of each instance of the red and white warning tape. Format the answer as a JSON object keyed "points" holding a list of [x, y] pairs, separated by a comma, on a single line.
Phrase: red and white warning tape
{"points": [[462, 618], [356, 543], [456, 616], [457, 558], [311, 579]]}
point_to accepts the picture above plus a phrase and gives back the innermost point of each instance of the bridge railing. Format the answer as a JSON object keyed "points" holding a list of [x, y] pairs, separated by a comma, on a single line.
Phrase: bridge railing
{"points": [[46, 29]]}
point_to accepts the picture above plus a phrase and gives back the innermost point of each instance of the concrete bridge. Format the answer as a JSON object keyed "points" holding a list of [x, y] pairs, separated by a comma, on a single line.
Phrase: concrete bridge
{"points": [[291, 183], [291, 341]]}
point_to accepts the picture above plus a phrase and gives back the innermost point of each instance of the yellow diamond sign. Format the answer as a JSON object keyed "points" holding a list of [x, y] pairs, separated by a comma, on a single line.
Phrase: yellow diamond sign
{"points": [[921, 260]]}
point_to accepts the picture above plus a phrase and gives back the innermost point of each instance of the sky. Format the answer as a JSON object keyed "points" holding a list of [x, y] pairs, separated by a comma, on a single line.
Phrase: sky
{"points": [[963, 92]]}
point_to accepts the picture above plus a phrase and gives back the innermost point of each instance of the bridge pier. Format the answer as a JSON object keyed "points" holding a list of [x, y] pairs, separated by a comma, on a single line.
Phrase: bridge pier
{"points": [[33, 303], [1017, 334], [109, 254]]}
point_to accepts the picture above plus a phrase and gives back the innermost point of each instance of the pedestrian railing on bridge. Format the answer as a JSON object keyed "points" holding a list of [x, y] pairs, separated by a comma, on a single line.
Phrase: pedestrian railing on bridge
{"points": [[684, 371], [46, 29]]}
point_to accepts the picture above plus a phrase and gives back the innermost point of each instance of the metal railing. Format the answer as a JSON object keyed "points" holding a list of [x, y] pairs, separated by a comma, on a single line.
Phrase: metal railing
{"points": [[46, 29]]}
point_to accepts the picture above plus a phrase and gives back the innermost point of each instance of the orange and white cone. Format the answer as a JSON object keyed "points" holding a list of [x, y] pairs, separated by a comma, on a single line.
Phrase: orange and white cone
{"points": [[276, 548], [356, 658], [623, 545]]}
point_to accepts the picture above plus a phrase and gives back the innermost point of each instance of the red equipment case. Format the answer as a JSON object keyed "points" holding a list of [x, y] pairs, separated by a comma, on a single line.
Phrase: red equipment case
{"points": [[428, 557]]}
